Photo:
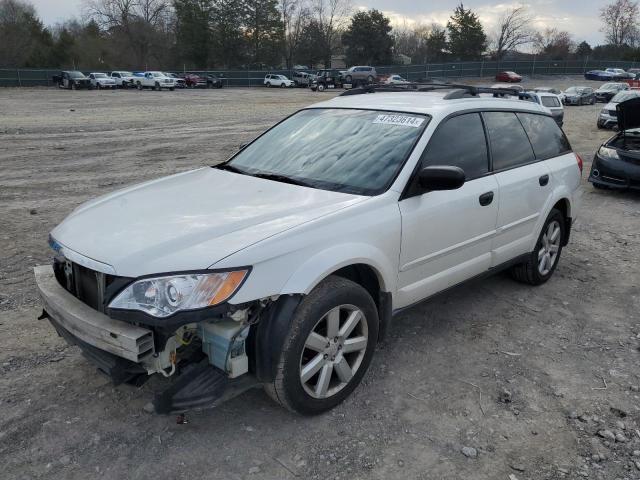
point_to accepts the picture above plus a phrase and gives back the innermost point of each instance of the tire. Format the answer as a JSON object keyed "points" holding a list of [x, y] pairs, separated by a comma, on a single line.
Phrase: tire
{"points": [[282, 85], [352, 302], [531, 271], [268, 84], [73, 86], [593, 101], [157, 87], [139, 86], [347, 79], [369, 79], [171, 89], [321, 87]]}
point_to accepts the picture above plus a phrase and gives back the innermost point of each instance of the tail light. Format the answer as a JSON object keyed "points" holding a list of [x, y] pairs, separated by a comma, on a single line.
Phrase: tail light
{"points": [[580, 162]]}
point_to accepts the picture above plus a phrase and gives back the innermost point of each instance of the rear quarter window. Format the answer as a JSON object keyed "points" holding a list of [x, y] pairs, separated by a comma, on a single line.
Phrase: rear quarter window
{"points": [[550, 102], [546, 137]]}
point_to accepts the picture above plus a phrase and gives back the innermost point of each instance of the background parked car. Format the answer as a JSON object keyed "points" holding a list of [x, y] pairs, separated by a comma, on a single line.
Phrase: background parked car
{"points": [[555, 91], [193, 80], [615, 164], [326, 78], [302, 79], [102, 80], [550, 101], [395, 79], [508, 76], [72, 80], [179, 81], [607, 91], [619, 73], [599, 75], [360, 74], [123, 79], [272, 80], [155, 81], [579, 96], [214, 81], [608, 118]]}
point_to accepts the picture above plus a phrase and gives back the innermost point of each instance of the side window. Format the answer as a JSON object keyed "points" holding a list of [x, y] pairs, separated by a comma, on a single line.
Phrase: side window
{"points": [[510, 146], [545, 135], [459, 142]]}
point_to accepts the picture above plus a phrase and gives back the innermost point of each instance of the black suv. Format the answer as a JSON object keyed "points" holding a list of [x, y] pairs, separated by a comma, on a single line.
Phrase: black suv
{"points": [[329, 78]]}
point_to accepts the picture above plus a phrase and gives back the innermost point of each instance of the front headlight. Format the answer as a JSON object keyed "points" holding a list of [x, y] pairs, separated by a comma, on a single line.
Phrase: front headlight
{"points": [[164, 296], [608, 153], [604, 111]]}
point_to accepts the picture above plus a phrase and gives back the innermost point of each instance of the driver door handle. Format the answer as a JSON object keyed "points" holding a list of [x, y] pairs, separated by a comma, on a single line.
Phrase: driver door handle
{"points": [[486, 198], [543, 180]]}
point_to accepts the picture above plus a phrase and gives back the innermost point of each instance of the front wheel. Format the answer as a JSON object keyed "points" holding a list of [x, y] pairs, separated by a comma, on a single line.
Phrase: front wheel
{"points": [[139, 85], [347, 79], [282, 85], [268, 84], [328, 349], [321, 87], [542, 262]]}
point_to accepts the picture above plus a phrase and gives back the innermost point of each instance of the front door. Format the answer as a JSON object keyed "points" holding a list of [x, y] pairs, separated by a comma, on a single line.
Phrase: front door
{"points": [[447, 235]]}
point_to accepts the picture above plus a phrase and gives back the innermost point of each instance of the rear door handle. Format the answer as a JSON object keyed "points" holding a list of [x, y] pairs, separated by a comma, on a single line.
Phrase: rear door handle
{"points": [[543, 180], [486, 198]]}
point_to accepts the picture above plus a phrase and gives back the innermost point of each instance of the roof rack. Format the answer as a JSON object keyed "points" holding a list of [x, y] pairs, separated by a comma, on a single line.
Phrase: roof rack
{"points": [[459, 90]]}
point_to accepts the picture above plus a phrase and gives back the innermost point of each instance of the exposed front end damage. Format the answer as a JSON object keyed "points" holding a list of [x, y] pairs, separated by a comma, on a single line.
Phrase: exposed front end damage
{"points": [[207, 356]]}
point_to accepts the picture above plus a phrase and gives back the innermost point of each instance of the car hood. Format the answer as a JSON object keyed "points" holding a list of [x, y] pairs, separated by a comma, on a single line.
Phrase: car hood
{"points": [[189, 221], [628, 113]]}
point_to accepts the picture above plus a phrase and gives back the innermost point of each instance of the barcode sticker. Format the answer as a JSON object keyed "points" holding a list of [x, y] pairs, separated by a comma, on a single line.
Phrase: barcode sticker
{"points": [[401, 120]]}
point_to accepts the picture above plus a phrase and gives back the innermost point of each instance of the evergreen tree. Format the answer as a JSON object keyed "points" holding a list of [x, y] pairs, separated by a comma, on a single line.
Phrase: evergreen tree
{"points": [[368, 39], [583, 50], [193, 20], [467, 40], [264, 32]]}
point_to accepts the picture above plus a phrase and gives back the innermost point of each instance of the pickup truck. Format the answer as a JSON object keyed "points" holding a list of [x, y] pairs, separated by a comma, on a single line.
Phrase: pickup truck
{"points": [[124, 79], [155, 81]]}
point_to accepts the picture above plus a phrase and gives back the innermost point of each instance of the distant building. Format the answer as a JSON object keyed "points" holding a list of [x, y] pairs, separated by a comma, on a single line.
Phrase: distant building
{"points": [[401, 59], [338, 61]]}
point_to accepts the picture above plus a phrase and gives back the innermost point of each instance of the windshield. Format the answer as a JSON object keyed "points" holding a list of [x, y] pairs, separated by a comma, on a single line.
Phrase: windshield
{"points": [[126, 74], [574, 90], [344, 150], [157, 74], [100, 75], [622, 96], [76, 75]]}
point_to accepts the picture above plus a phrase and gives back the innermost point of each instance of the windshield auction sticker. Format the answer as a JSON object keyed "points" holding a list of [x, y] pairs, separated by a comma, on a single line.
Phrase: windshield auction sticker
{"points": [[402, 120]]}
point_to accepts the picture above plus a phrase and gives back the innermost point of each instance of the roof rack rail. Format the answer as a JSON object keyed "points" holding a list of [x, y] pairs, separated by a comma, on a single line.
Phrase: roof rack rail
{"points": [[459, 90]]}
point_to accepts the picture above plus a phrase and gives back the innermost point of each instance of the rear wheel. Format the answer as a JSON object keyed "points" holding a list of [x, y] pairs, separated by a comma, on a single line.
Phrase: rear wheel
{"points": [[139, 85], [542, 261], [321, 87], [328, 349], [268, 84], [282, 85]]}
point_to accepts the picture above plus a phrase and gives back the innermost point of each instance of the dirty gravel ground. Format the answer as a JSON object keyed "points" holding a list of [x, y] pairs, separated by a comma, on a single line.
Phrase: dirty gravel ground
{"points": [[567, 353]]}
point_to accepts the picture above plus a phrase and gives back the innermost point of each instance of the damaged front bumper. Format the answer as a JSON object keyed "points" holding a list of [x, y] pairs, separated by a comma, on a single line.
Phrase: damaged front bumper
{"points": [[129, 353]]}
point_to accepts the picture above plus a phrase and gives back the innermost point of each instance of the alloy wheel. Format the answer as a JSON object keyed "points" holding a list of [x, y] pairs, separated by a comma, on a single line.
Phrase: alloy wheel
{"points": [[333, 351], [549, 247]]}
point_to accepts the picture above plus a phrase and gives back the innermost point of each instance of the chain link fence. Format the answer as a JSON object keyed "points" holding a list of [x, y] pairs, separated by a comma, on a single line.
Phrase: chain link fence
{"points": [[440, 71]]}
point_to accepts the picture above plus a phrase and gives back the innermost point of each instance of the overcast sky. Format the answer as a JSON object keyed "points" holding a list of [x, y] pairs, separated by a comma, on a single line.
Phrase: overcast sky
{"points": [[579, 17]]}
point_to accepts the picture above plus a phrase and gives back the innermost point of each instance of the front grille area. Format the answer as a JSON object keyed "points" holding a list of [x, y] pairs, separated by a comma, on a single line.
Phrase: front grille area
{"points": [[88, 286], [613, 113]]}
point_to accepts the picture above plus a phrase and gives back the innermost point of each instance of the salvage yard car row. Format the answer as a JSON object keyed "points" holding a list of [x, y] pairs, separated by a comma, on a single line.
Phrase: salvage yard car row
{"points": [[155, 80]]}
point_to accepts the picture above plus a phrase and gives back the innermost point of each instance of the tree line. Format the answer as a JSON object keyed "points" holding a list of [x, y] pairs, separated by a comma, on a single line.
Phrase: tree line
{"points": [[257, 34]]}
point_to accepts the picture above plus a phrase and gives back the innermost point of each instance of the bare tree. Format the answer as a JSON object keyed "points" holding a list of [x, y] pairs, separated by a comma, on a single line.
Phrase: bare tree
{"points": [[553, 43], [332, 17], [513, 31], [295, 16], [620, 20], [139, 20]]}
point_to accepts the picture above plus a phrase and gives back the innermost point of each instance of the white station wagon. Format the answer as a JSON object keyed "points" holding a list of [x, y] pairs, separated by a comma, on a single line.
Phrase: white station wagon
{"points": [[284, 265]]}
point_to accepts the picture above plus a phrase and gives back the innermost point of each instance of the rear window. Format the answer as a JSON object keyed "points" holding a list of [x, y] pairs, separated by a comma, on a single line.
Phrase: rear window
{"points": [[550, 102], [545, 135], [510, 146]]}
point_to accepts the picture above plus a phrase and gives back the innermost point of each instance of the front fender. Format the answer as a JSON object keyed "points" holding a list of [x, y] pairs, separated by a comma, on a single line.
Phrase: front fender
{"points": [[315, 269]]}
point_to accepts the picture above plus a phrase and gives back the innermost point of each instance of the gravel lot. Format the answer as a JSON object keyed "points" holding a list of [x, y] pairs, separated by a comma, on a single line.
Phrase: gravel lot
{"points": [[533, 383]]}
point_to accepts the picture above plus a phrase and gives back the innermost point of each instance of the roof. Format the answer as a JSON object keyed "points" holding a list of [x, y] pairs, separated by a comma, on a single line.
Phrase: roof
{"points": [[431, 103]]}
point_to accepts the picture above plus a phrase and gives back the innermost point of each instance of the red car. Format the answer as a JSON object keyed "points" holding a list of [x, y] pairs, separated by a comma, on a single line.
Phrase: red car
{"points": [[508, 77]]}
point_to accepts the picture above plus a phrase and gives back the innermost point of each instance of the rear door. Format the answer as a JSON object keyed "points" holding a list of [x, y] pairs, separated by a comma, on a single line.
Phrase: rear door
{"points": [[446, 235], [525, 185]]}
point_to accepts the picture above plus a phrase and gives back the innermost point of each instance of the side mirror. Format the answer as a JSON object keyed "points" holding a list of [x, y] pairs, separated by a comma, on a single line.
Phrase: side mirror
{"points": [[441, 178]]}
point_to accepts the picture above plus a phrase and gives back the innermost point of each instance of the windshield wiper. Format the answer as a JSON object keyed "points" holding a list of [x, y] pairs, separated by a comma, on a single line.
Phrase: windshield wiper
{"points": [[281, 178], [230, 168]]}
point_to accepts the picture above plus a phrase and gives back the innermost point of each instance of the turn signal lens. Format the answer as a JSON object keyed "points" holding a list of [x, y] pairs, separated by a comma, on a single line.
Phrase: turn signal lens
{"points": [[580, 162]]}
